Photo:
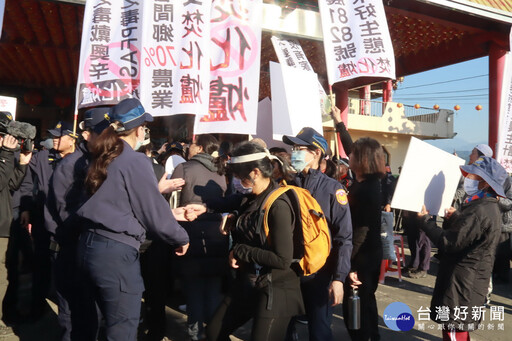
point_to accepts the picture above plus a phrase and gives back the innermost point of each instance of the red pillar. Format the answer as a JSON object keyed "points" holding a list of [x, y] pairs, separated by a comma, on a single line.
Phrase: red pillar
{"points": [[496, 68], [364, 96], [387, 91]]}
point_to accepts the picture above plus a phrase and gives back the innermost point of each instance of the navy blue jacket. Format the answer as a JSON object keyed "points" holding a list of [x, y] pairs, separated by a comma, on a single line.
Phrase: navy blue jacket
{"points": [[332, 198], [128, 204], [34, 188], [67, 193]]}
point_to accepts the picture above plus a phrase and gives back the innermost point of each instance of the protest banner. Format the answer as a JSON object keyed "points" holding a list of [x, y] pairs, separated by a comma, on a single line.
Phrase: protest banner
{"points": [[429, 177], [8, 104], [356, 40], [294, 100], [290, 53], [504, 147], [152, 50], [235, 68], [265, 125]]}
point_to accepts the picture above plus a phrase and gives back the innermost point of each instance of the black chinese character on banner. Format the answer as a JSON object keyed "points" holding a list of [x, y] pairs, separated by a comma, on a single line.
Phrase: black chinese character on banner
{"points": [[346, 52], [100, 33], [163, 12], [162, 78], [99, 52], [161, 99], [163, 32], [190, 54], [369, 28], [190, 89], [373, 45], [98, 70], [191, 20], [130, 17], [364, 12], [101, 14]]}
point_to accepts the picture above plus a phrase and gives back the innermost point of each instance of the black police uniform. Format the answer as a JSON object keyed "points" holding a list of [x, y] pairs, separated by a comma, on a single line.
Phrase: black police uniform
{"points": [[117, 217], [66, 194], [34, 191], [332, 198]]}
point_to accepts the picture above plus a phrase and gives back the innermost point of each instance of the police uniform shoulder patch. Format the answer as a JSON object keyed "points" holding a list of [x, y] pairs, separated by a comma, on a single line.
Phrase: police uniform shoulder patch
{"points": [[341, 196]]}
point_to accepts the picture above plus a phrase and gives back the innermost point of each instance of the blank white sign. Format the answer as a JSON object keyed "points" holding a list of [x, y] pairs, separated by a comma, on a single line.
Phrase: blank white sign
{"points": [[429, 177]]}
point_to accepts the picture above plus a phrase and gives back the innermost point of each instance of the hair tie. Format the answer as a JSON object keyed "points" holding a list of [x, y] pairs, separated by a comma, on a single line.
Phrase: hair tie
{"points": [[215, 154]]}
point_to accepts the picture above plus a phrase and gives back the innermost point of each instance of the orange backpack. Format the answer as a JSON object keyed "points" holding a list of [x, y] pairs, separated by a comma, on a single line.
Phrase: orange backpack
{"points": [[311, 235]]}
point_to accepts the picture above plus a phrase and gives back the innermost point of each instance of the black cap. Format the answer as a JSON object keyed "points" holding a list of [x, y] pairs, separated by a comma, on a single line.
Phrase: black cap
{"points": [[96, 119], [61, 129], [174, 145]]}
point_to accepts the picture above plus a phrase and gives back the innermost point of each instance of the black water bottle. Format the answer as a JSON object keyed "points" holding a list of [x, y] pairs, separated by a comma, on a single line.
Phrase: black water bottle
{"points": [[354, 311]]}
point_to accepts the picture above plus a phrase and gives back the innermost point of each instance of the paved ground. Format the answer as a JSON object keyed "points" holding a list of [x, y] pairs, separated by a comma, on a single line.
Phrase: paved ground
{"points": [[415, 293]]}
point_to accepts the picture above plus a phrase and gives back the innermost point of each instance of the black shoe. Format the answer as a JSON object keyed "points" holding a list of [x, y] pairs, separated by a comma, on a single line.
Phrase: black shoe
{"points": [[418, 274], [408, 269]]}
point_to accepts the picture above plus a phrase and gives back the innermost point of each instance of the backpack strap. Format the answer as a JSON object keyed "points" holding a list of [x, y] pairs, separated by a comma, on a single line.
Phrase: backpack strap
{"points": [[272, 197]]}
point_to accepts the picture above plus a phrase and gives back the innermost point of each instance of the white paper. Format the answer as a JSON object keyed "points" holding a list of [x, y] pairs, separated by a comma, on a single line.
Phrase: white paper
{"points": [[264, 127], [429, 177], [294, 100], [8, 104]]}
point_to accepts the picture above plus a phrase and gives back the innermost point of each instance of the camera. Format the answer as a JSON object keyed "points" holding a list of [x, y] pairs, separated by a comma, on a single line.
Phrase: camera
{"points": [[23, 132]]}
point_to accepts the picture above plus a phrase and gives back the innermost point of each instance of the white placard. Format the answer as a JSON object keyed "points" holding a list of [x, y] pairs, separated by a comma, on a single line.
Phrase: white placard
{"points": [[429, 177], [8, 104], [264, 128], [235, 68], [504, 148], [356, 40], [294, 100]]}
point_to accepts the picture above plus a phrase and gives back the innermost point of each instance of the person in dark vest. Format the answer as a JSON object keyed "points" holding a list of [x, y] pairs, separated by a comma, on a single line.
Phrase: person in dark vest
{"points": [[65, 196], [34, 209], [124, 204]]}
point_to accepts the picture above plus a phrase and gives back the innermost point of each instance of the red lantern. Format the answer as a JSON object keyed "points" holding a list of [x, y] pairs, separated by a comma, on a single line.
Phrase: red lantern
{"points": [[436, 107], [457, 107], [399, 105], [478, 107], [33, 98], [416, 106], [62, 101]]}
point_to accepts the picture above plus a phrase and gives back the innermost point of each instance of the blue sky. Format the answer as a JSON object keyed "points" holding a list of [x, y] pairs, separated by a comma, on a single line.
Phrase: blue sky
{"points": [[465, 84]]}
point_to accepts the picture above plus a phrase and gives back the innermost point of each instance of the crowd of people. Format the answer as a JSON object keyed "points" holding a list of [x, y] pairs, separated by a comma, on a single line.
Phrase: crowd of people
{"points": [[105, 221]]}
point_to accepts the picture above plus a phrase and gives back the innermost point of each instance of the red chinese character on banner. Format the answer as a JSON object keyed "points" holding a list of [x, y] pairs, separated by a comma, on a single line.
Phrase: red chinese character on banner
{"points": [[222, 100]]}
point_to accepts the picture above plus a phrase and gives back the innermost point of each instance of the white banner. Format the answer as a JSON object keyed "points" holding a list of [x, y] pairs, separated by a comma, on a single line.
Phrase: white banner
{"points": [[235, 68], [8, 104], [110, 54], [176, 58], [290, 53], [504, 148], [294, 100], [152, 50], [2, 11], [356, 40]]}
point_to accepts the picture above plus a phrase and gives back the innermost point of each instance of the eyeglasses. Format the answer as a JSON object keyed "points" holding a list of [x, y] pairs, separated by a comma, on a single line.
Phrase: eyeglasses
{"points": [[299, 148]]}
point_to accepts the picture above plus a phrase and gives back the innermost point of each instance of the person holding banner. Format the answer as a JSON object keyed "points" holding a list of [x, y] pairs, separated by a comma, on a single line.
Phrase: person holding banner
{"points": [[123, 206], [467, 243], [323, 290]]}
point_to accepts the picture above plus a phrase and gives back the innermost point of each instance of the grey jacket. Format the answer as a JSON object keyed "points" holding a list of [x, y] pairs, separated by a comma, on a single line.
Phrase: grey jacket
{"points": [[505, 205]]}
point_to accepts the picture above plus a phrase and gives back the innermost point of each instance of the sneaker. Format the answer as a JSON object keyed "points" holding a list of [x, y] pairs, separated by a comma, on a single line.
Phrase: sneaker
{"points": [[418, 274]]}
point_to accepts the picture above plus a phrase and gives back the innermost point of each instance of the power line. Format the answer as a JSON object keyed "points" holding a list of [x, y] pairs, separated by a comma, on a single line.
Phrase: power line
{"points": [[445, 92], [453, 80], [434, 97]]}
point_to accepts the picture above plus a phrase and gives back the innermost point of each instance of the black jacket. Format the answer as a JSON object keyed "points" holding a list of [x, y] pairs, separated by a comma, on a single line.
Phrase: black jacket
{"points": [[208, 251], [468, 243], [11, 175]]}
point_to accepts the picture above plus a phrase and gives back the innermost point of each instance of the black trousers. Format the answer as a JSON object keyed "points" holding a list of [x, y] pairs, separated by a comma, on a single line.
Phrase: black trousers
{"points": [[233, 313]]}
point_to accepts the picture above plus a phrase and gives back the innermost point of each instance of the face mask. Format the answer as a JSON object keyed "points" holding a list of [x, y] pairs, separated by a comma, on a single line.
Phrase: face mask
{"points": [[471, 186], [237, 185], [299, 160]]}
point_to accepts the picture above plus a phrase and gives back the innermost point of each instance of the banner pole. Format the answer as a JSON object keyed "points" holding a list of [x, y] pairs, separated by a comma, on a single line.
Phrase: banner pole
{"points": [[336, 137]]}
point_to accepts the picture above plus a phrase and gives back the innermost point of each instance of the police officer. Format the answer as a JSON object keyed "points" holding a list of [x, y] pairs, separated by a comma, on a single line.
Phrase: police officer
{"points": [[124, 204], [323, 290], [66, 194], [34, 192]]}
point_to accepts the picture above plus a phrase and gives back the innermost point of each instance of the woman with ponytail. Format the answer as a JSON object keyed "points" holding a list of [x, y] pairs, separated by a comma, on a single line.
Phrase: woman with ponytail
{"points": [[205, 265], [124, 205]]}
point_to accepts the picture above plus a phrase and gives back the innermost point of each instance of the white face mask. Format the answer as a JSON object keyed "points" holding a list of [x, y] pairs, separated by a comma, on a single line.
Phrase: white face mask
{"points": [[471, 186], [237, 185]]}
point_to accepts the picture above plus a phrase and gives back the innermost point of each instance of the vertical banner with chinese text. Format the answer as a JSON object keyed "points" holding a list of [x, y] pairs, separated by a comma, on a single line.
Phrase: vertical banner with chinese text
{"points": [[176, 59], [289, 52], [110, 56], [504, 148], [356, 40], [235, 68]]}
